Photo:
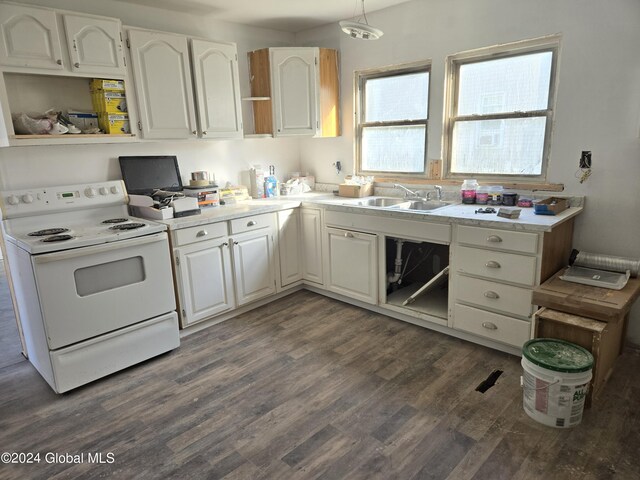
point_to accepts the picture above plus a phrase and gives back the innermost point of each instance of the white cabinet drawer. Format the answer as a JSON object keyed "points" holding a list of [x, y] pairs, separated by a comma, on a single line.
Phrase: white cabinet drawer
{"points": [[498, 239], [496, 265], [255, 222], [491, 325], [498, 296], [200, 233]]}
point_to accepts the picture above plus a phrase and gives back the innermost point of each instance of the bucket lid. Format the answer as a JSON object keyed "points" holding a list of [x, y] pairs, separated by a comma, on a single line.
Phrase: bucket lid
{"points": [[557, 355]]}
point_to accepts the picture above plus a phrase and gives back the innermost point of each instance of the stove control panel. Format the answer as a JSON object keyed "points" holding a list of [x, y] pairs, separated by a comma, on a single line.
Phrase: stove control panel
{"points": [[30, 201]]}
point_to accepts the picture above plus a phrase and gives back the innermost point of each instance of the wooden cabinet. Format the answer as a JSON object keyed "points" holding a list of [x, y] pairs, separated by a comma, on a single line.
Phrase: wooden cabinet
{"points": [[205, 280], [289, 247], [95, 44], [493, 273], [162, 75], [295, 91], [253, 265], [30, 37], [311, 238], [165, 90], [217, 88], [353, 264]]}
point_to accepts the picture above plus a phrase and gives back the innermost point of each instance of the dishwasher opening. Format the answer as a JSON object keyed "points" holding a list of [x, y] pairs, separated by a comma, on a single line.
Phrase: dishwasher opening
{"points": [[417, 276]]}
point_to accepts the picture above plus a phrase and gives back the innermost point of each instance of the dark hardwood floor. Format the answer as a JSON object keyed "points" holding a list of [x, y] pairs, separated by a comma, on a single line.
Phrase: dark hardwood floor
{"points": [[308, 387]]}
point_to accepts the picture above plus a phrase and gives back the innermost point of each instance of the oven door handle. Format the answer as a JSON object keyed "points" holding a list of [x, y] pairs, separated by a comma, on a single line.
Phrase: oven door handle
{"points": [[104, 247]]}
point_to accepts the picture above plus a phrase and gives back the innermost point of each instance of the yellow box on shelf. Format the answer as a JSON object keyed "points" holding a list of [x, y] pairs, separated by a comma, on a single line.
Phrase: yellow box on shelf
{"points": [[113, 123], [108, 85], [109, 102]]}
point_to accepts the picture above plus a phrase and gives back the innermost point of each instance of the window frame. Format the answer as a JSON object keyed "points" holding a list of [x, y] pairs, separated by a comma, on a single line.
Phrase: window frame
{"points": [[453, 62], [360, 78]]}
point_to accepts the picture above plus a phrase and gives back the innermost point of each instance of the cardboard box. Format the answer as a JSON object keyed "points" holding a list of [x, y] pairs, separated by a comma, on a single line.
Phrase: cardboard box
{"points": [[109, 102], [114, 124], [84, 120], [110, 85], [346, 190], [550, 206]]}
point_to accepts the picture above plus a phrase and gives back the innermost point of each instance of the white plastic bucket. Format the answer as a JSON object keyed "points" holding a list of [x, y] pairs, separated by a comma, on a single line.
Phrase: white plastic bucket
{"points": [[555, 381]]}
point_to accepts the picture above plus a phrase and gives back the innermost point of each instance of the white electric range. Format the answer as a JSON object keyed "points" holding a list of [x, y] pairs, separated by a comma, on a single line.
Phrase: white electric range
{"points": [[93, 286]]}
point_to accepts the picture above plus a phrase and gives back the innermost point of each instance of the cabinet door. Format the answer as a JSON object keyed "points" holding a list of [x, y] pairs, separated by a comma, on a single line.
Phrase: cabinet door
{"points": [[215, 67], [353, 265], [29, 37], [95, 44], [311, 226], [253, 266], [163, 84], [289, 246], [205, 281], [294, 73]]}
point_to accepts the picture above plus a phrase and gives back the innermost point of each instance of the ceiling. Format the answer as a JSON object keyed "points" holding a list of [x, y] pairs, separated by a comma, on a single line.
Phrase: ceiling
{"points": [[285, 15]]}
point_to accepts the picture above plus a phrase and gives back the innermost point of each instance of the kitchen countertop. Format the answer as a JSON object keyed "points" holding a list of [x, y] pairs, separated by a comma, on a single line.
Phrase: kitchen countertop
{"points": [[453, 214]]}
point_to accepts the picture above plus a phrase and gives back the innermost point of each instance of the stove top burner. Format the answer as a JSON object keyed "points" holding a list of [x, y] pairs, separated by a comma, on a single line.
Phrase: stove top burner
{"points": [[115, 220], [57, 238], [127, 226], [47, 231]]}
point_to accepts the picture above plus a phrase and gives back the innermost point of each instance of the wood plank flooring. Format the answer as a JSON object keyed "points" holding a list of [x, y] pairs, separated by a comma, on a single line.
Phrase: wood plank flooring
{"points": [[308, 387]]}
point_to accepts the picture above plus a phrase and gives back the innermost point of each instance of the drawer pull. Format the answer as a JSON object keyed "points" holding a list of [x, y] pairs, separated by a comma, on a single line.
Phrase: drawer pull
{"points": [[494, 239], [225, 244], [492, 264], [489, 326], [202, 233], [252, 223], [348, 235], [491, 294]]}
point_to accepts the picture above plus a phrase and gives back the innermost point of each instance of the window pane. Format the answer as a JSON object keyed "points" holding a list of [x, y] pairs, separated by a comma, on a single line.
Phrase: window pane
{"points": [[393, 149], [402, 97], [509, 146], [505, 85]]}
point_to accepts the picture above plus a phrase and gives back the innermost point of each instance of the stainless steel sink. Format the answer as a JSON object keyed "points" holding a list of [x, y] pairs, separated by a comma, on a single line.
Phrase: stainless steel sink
{"points": [[422, 205], [381, 202]]}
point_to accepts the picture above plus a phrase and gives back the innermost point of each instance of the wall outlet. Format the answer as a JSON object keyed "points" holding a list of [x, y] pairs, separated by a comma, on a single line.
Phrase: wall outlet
{"points": [[585, 159]]}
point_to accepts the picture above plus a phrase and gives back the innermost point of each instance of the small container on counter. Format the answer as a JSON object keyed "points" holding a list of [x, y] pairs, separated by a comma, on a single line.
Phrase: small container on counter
{"points": [[525, 202], [509, 199], [468, 191], [482, 195], [495, 195]]}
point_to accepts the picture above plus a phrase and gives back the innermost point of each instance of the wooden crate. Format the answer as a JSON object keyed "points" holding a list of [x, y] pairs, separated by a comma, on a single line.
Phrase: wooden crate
{"points": [[602, 339]]}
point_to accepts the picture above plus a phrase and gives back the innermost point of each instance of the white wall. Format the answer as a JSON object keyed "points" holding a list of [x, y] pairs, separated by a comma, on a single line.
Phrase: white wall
{"points": [[55, 165], [597, 108]]}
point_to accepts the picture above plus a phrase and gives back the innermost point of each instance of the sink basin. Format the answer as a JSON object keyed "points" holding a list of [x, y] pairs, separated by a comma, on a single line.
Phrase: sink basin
{"points": [[381, 202], [422, 205]]}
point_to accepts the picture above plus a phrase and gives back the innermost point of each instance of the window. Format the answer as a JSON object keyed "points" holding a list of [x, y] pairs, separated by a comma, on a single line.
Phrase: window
{"points": [[391, 119], [499, 111]]}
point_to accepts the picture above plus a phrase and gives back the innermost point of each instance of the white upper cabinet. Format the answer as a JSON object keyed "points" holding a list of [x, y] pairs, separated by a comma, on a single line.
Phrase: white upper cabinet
{"points": [[217, 89], [29, 37], [95, 44], [294, 76], [163, 85]]}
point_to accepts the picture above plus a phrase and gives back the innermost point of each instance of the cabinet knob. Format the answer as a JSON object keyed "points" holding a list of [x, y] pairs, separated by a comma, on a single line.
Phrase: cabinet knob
{"points": [[225, 244], [235, 243], [491, 294], [252, 223], [494, 239], [348, 235], [204, 133], [492, 264], [77, 65], [489, 326], [59, 62], [202, 233], [194, 132]]}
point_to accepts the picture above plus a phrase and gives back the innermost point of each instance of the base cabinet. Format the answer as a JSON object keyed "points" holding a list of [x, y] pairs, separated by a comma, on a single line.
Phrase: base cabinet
{"points": [[353, 264], [205, 280], [311, 236], [253, 266], [289, 247]]}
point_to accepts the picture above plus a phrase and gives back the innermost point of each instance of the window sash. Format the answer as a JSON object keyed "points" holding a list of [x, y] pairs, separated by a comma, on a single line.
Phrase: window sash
{"points": [[548, 44]]}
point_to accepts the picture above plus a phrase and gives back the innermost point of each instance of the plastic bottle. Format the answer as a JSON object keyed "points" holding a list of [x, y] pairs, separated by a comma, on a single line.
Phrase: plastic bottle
{"points": [[468, 191]]}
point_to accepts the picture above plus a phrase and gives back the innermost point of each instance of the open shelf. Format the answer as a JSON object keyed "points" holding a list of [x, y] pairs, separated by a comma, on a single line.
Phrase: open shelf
{"points": [[432, 303]]}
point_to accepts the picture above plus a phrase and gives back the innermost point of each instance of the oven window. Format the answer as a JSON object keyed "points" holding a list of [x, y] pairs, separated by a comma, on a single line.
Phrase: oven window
{"points": [[107, 276]]}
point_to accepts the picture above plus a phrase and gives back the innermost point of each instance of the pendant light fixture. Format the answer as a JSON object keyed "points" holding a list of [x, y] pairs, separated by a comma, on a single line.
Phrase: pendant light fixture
{"points": [[356, 28]]}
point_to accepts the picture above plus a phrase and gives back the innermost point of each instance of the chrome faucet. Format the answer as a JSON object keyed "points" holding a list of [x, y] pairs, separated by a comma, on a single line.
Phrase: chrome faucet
{"points": [[406, 190], [438, 190]]}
